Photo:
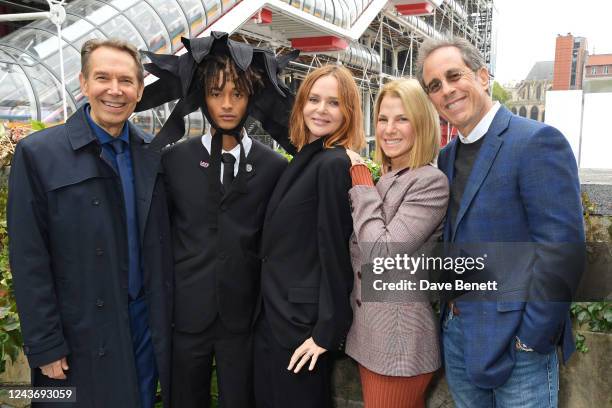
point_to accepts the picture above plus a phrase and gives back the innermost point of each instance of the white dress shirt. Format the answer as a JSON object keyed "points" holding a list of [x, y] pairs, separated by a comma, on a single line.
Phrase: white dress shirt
{"points": [[246, 143], [482, 127]]}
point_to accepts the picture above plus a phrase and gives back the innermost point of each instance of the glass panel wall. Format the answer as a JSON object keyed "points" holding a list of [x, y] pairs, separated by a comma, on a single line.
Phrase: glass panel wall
{"points": [[120, 27], [94, 11], [298, 4], [17, 102], [122, 5], [30, 86], [72, 66], [160, 114], [195, 123], [174, 19], [342, 13], [308, 6], [228, 4], [46, 86], [213, 10], [90, 35], [319, 8], [144, 120], [38, 43], [72, 28], [151, 27], [196, 18]]}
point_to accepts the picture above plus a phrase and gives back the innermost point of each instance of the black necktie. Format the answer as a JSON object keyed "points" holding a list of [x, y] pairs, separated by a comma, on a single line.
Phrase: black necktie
{"points": [[228, 161], [127, 184]]}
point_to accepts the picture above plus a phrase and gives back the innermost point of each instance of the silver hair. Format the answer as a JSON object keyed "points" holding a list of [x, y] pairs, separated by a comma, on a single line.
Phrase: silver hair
{"points": [[91, 45], [470, 54]]}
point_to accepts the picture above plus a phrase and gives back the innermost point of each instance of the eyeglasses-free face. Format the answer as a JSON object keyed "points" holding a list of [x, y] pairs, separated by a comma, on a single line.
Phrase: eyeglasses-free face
{"points": [[458, 93], [394, 132], [112, 87], [322, 114], [228, 105]]}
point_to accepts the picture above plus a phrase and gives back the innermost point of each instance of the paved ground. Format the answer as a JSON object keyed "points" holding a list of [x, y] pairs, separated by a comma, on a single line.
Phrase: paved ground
{"points": [[596, 176], [598, 186]]}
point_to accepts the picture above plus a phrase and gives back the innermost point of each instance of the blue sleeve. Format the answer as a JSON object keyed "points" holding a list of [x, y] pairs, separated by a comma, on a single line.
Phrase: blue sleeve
{"points": [[550, 192]]}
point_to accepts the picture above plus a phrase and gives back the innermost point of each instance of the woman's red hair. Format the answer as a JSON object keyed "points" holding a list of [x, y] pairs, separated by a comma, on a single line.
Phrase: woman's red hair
{"points": [[350, 133]]}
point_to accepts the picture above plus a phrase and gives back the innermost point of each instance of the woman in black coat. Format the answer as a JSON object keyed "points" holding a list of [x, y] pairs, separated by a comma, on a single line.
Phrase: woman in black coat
{"points": [[306, 274]]}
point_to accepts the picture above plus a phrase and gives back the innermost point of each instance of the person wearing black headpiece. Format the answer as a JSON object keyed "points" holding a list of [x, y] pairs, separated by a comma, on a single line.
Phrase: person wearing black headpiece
{"points": [[218, 187]]}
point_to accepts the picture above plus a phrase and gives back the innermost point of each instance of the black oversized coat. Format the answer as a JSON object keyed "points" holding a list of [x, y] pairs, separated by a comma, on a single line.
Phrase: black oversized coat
{"points": [[306, 276], [69, 259]]}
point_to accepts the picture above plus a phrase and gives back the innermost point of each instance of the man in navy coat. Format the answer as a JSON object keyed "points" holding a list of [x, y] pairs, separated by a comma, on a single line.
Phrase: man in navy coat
{"points": [[513, 180], [89, 243]]}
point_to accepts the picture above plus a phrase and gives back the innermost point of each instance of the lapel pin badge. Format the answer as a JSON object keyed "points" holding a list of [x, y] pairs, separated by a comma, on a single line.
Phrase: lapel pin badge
{"points": [[204, 164], [249, 167]]}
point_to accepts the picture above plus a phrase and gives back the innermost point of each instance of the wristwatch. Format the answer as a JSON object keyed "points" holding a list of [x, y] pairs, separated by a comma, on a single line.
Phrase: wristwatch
{"points": [[521, 346]]}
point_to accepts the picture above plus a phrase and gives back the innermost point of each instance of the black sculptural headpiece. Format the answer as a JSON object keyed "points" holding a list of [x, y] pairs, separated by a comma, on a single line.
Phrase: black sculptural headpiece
{"points": [[178, 79]]}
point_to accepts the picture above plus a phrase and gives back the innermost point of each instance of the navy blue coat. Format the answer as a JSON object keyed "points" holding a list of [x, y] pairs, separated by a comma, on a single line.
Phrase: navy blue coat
{"points": [[523, 188], [68, 255]]}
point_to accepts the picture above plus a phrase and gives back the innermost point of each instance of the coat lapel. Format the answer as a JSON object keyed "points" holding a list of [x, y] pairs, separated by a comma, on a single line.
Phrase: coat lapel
{"points": [[385, 183], [486, 156], [200, 157], [450, 163], [78, 131], [146, 164], [293, 171], [449, 170]]}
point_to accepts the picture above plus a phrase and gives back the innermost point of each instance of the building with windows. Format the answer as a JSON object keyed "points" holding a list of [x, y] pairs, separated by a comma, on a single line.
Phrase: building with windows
{"points": [[528, 98], [570, 56], [377, 39], [598, 73]]}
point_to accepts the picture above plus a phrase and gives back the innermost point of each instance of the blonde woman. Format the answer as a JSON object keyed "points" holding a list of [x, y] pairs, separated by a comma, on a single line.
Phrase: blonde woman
{"points": [[396, 343]]}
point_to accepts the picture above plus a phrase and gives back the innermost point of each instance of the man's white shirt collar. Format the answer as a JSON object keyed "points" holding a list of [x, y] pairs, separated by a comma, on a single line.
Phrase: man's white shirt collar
{"points": [[247, 142], [482, 127]]}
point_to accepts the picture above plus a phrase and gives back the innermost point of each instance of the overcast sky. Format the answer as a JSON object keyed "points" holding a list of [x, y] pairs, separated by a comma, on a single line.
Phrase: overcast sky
{"points": [[526, 31]]}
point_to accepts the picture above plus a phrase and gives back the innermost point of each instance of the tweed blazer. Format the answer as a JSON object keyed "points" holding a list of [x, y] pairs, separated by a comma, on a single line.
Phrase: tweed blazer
{"points": [[404, 211]]}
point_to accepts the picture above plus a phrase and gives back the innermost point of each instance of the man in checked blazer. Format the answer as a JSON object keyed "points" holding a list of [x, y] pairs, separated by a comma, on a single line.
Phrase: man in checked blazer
{"points": [[511, 180]]}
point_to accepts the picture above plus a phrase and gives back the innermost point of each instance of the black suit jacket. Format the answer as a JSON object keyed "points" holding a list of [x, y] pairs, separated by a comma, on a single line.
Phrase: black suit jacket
{"points": [[306, 271], [217, 270], [68, 253]]}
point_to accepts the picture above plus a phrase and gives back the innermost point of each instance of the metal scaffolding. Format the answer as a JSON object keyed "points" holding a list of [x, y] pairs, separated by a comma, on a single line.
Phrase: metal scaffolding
{"points": [[382, 43]]}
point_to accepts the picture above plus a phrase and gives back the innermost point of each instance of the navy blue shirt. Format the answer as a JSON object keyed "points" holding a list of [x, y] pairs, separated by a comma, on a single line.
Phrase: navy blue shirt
{"points": [[130, 213], [105, 140]]}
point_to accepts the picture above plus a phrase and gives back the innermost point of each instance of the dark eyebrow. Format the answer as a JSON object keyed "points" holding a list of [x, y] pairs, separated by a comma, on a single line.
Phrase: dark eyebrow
{"points": [[333, 98]]}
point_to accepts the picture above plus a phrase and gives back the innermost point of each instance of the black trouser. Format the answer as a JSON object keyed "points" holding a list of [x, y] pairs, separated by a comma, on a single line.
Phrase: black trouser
{"points": [[192, 362], [277, 387]]}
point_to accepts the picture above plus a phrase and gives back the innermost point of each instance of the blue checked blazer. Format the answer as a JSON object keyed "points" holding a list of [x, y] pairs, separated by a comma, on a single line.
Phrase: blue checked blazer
{"points": [[523, 187]]}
